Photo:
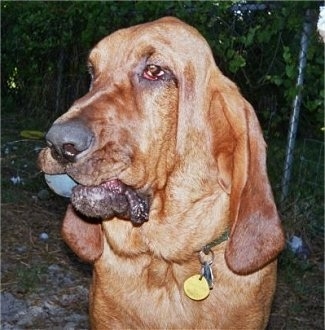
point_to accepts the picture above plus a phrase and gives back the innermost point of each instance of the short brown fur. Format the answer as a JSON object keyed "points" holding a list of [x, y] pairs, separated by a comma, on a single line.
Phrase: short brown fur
{"points": [[195, 144]]}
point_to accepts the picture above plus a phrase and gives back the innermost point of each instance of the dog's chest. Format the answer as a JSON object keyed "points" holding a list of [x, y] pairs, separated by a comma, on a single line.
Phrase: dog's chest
{"points": [[151, 297], [146, 292]]}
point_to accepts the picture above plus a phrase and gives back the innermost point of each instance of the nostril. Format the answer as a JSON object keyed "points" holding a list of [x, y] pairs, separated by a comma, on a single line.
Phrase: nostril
{"points": [[69, 151], [58, 155]]}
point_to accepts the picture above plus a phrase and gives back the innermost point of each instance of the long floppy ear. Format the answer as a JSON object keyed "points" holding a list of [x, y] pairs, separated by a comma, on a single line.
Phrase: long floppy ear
{"points": [[84, 238], [256, 236], [211, 107]]}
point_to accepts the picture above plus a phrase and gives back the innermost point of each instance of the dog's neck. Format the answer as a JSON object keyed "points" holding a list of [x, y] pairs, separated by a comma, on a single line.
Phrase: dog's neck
{"points": [[193, 214]]}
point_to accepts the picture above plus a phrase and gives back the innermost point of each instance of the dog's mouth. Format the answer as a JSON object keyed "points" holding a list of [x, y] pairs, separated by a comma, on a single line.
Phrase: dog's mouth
{"points": [[109, 199]]}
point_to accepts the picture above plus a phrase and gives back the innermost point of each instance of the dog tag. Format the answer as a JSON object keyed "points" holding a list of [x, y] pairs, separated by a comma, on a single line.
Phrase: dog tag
{"points": [[196, 287]]}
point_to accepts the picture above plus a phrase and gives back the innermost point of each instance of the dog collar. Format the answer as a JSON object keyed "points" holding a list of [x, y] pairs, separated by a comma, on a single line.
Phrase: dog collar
{"points": [[207, 248]]}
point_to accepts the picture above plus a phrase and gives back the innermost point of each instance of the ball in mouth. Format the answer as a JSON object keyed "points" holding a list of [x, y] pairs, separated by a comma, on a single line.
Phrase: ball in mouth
{"points": [[110, 199]]}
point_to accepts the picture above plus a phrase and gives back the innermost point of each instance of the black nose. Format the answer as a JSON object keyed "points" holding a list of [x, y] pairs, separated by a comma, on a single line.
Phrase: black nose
{"points": [[68, 139]]}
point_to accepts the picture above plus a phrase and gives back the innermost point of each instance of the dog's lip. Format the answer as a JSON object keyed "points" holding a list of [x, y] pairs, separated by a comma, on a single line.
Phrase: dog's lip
{"points": [[104, 201], [109, 199], [63, 184]]}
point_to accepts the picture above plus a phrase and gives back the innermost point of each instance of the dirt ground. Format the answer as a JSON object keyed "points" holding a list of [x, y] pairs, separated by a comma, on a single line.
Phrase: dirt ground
{"points": [[44, 286]]}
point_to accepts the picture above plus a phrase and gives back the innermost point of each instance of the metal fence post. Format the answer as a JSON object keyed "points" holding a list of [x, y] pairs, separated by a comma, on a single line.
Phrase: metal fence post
{"points": [[307, 29]]}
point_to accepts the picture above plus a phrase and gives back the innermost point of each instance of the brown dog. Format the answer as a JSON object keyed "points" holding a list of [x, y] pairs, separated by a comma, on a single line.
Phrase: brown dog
{"points": [[169, 159]]}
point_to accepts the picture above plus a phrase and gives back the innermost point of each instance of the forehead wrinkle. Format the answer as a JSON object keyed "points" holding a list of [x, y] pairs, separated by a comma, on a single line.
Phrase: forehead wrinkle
{"points": [[109, 50]]}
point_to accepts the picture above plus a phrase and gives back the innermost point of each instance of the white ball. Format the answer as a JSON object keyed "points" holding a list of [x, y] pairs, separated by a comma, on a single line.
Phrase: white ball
{"points": [[61, 184]]}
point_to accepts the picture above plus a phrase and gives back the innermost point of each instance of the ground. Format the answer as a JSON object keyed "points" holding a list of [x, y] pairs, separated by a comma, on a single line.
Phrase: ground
{"points": [[45, 286]]}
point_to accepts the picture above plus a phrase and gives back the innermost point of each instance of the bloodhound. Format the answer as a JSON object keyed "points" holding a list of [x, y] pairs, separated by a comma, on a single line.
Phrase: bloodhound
{"points": [[171, 202]]}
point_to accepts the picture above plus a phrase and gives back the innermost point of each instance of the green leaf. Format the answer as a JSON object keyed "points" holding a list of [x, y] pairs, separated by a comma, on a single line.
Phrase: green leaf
{"points": [[291, 71]]}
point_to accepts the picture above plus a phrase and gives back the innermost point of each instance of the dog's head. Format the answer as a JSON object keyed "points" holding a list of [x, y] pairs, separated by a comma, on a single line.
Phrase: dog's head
{"points": [[159, 108]]}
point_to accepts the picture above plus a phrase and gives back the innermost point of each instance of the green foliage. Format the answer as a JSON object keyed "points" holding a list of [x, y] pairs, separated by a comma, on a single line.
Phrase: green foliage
{"points": [[45, 45]]}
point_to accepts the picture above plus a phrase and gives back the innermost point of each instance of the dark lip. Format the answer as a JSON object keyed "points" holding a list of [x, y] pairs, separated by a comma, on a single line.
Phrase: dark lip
{"points": [[112, 198]]}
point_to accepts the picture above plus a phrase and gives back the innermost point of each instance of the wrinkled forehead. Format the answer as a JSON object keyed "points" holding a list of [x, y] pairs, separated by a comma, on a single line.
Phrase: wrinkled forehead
{"points": [[163, 38]]}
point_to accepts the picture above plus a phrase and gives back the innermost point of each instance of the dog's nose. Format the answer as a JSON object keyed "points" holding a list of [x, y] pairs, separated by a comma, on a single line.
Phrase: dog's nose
{"points": [[68, 139]]}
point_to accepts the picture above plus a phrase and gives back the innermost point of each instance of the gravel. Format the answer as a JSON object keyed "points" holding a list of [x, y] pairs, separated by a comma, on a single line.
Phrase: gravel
{"points": [[60, 303]]}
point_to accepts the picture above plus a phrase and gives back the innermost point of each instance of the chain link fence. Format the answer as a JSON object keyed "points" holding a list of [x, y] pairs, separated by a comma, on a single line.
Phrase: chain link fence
{"points": [[295, 146]]}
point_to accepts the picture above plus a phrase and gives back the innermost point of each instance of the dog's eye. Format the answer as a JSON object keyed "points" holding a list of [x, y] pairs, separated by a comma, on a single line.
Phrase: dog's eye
{"points": [[153, 72]]}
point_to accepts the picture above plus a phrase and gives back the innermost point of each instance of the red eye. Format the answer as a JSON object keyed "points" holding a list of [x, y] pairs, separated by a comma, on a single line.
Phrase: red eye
{"points": [[153, 72]]}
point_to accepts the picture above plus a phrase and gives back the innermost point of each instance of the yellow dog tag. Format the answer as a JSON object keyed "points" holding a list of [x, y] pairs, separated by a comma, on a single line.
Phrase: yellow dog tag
{"points": [[196, 287]]}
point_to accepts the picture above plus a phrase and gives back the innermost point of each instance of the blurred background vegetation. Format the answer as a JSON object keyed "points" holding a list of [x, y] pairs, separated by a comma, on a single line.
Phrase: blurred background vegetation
{"points": [[45, 45], [44, 49]]}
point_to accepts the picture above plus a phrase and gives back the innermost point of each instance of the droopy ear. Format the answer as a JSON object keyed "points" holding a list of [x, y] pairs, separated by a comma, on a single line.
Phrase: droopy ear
{"points": [[84, 238], [256, 235]]}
